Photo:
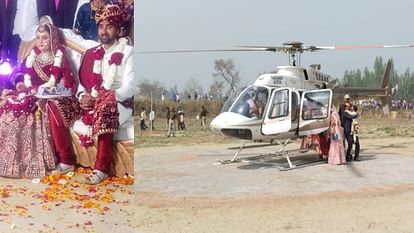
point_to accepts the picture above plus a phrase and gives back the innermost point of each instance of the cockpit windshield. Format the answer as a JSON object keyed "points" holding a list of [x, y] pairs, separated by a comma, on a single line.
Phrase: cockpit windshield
{"points": [[230, 99], [251, 102]]}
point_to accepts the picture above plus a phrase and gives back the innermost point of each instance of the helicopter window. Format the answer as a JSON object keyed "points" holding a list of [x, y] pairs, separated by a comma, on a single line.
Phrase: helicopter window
{"points": [[280, 105], [315, 105], [262, 95], [229, 100], [251, 102], [295, 106]]}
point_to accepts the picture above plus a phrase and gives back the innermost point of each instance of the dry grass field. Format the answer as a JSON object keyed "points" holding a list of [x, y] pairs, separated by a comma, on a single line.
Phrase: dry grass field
{"points": [[372, 125], [192, 135]]}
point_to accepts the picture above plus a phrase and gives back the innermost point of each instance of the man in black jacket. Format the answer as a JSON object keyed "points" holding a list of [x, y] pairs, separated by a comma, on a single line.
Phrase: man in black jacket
{"points": [[341, 110], [348, 116], [9, 43]]}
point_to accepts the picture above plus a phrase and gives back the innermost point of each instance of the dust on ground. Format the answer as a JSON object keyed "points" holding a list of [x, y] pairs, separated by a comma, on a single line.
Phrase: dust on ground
{"points": [[182, 189]]}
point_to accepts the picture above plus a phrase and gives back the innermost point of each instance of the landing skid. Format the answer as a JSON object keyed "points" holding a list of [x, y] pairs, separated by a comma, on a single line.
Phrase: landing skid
{"points": [[261, 159]]}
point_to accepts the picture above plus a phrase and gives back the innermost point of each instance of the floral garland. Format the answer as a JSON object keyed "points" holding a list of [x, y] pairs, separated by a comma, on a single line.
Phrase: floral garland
{"points": [[20, 104], [55, 69], [115, 60], [100, 83], [85, 141]]}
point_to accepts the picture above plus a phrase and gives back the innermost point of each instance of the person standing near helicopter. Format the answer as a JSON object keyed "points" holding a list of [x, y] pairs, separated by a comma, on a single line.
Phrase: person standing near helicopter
{"points": [[203, 116], [180, 116], [355, 135], [348, 116], [347, 99], [171, 122], [143, 117], [336, 148]]}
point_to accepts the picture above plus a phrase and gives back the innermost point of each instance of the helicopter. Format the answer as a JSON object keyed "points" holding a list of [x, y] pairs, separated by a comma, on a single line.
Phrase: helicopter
{"points": [[291, 102]]}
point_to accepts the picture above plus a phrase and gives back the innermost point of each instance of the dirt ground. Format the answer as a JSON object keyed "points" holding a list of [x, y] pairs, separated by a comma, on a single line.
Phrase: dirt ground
{"points": [[183, 189], [66, 205]]}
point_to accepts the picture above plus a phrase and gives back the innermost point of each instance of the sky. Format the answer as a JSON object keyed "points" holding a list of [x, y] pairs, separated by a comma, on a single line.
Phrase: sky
{"points": [[220, 24]]}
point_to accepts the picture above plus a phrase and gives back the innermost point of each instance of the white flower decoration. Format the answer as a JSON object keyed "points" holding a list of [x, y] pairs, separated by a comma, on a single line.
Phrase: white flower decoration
{"points": [[58, 59], [108, 80], [27, 80], [94, 92], [97, 66]]}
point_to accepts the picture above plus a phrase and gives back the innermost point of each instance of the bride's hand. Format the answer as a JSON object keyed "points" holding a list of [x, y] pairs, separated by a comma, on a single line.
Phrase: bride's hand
{"points": [[50, 83]]}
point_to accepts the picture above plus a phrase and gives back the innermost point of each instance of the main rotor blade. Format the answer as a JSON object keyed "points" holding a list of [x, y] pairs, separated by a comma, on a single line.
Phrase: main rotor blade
{"points": [[340, 47], [291, 48], [312, 48], [265, 48], [209, 50]]}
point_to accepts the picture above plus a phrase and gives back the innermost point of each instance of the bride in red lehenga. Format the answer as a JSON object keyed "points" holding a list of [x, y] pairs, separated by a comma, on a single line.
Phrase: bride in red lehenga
{"points": [[33, 129], [336, 148]]}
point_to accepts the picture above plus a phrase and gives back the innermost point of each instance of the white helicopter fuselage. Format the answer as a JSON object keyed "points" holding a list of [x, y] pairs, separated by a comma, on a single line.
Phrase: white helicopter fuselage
{"points": [[294, 77], [276, 106], [238, 126]]}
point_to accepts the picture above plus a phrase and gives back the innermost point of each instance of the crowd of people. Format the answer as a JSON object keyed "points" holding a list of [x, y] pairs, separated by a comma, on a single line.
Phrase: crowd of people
{"points": [[175, 120], [402, 105], [177, 97], [396, 105], [370, 104], [37, 115]]}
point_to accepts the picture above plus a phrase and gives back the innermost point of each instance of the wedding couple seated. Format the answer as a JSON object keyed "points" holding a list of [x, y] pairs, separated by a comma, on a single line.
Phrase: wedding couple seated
{"points": [[95, 120]]}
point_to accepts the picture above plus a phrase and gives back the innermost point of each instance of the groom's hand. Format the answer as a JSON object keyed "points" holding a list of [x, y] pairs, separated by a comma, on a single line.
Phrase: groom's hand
{"points": [[87, 102]]}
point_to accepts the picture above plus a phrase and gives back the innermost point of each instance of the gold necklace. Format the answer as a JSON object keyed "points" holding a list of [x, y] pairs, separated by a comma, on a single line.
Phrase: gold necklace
{"points": [[45, 58]]}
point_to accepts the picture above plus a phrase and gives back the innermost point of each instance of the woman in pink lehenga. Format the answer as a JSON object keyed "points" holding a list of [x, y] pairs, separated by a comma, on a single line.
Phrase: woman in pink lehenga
{"points": [[336, 148], [27, 149]]}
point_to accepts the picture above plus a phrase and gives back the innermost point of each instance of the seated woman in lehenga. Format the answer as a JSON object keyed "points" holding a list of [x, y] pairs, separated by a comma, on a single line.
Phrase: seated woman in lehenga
{"points": [[34, 125]]}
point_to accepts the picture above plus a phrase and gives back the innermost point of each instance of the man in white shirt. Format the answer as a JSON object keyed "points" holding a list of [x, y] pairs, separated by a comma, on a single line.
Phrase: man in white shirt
{"points": [[152, 118], [106, 91]]}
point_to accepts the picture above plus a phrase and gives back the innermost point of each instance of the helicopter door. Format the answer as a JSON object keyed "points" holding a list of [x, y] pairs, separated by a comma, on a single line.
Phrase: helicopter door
{"points": [[277, 119], [294, 110], [315, 110]]}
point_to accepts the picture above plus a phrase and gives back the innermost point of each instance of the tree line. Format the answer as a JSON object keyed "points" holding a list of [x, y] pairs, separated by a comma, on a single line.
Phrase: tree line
{"points": [[402, 85]]}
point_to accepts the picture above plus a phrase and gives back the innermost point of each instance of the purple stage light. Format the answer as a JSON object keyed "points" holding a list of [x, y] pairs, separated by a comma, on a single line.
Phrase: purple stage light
{"points": [[5, 68]]}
